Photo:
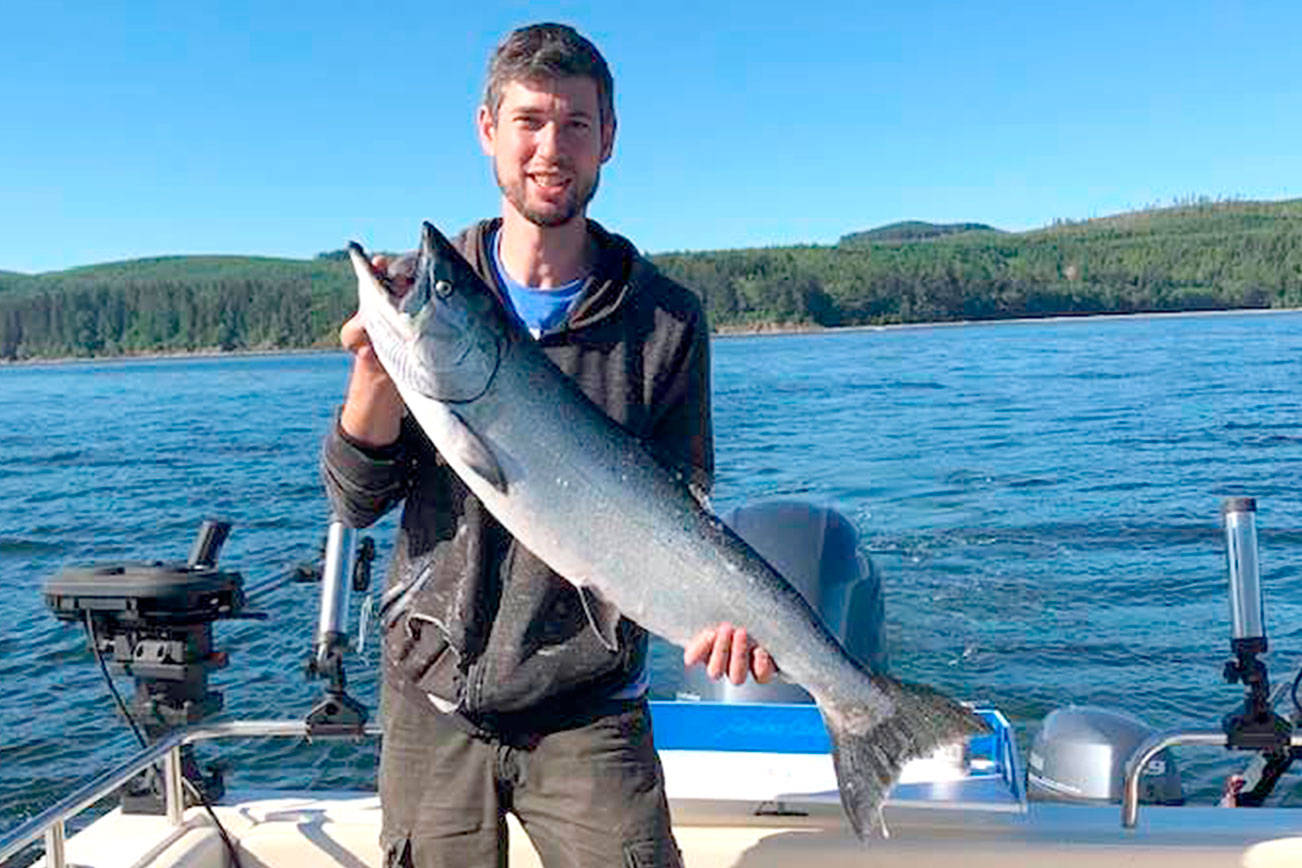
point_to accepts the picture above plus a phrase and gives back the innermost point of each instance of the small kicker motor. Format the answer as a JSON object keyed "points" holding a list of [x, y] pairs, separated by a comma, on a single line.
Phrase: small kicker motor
{"points": [[153, 622]]}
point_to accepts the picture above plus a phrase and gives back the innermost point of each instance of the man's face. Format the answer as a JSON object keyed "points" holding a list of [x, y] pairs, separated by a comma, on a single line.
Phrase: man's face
{"points": [[547, 143]]}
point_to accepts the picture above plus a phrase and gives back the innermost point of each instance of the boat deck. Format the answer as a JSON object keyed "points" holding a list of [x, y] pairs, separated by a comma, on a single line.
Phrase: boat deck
{"points": [[279, 830], [748, 788]]}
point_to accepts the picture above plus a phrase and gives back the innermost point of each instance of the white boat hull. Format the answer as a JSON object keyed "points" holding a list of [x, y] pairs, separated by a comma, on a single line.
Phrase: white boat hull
{"points": [[772, 804], [280, 830]]}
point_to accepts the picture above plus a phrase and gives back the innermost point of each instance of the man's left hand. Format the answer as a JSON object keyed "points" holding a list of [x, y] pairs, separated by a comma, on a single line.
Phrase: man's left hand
{"points": [[727, 648]]}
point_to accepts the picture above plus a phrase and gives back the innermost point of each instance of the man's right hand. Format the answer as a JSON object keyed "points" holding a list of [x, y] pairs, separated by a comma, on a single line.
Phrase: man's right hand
{"points": [[372, 413]]}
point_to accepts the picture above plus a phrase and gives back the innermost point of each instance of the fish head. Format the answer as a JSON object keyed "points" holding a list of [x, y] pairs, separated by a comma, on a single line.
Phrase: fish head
{"points": [[444, 335]]}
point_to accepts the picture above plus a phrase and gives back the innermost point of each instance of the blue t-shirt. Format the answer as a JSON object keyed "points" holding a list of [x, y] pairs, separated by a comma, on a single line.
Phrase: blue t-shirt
{"points": [[540, 309]]}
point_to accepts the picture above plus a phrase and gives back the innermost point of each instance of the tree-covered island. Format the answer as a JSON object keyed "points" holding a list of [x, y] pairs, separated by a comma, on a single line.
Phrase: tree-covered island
{"points": [[1193, 256]]}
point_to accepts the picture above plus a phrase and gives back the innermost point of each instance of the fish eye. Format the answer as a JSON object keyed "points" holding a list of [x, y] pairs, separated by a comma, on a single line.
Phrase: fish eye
{"points": [[442, 289]]}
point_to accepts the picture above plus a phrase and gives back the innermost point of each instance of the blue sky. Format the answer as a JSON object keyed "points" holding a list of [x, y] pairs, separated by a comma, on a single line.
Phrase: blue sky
{"points": [[285, 129]]}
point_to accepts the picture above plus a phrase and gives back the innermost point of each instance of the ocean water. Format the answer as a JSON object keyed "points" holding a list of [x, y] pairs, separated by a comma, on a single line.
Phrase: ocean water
{"points": [[1041, 498]]}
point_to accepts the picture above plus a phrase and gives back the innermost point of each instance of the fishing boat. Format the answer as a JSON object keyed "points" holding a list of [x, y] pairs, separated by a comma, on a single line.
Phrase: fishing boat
{"points": [[748, 769]]}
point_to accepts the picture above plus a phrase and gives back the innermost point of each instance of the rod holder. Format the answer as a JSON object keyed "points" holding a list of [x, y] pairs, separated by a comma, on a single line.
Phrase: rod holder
{"points": [[1247, 612], [337, 712], [336, 587]]}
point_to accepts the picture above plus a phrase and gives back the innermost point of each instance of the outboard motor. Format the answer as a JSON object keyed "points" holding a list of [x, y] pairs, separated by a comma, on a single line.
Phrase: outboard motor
{"points": [[1079, 755], [817, 550]]}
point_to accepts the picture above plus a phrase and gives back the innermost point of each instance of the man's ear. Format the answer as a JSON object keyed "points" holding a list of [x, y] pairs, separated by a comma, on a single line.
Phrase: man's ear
{"points": [[607, 140], [486, 127]]}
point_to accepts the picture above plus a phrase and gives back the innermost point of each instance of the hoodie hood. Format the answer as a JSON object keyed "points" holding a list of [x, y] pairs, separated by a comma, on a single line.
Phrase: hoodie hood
{"points": [[618, 269]]}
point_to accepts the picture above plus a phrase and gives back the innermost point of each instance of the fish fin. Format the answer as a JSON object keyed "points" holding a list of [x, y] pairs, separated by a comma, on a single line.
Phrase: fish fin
{"points": [[697, 487], [868, 759], [474, 452], [602, 615], [701, 494]]}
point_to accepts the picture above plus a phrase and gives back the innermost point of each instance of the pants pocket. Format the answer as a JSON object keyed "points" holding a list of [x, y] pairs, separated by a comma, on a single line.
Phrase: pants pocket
{"points": [[398, 854], [425, 658], [652, 853]]}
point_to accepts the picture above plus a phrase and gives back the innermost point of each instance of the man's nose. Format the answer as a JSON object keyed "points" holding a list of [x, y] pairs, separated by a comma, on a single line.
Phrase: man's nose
{"points": [[548, 140]]}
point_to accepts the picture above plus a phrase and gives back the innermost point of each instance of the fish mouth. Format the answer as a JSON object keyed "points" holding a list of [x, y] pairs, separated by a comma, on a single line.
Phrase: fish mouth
{"points": [[386, 299], [423, 332]]}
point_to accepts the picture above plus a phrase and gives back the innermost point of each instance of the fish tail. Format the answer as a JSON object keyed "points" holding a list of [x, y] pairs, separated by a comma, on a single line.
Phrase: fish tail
{"points": [[869, 751]]}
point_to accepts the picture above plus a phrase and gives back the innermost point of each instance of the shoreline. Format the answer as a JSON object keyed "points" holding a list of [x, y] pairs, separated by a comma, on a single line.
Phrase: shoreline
{"points": [[725, 333], [164, 355], [778, 331]]}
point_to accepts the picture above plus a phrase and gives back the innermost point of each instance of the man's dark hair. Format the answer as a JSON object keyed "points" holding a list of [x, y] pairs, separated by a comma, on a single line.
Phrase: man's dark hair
{"points": [[548, 51]]}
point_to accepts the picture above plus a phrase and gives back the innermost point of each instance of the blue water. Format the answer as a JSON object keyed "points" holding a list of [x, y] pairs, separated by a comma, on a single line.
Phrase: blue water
{"points": [[1042, 500]]}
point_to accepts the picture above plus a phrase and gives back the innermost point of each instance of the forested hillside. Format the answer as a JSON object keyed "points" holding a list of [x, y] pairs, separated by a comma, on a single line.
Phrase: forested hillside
{"points": [[913, 230], [1196, 257], [175, 304], [1192, 257]]}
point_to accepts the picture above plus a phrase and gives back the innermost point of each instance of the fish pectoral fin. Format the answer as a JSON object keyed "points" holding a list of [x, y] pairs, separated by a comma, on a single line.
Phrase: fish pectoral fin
{"points": [[602, 615], [470, 448]]}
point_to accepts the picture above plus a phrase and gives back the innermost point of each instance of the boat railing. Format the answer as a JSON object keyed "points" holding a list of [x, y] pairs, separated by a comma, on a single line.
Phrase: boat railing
{"points": [[52, 822], [1156, 743], [1005, 754], [998, 746]]}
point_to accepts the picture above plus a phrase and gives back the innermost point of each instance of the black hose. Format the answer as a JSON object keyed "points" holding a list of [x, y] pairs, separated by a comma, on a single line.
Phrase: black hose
{"points": [[122, 707]]}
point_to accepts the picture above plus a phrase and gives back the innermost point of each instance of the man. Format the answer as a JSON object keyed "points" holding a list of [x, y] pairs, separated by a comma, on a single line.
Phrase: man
{"points": [[498, 696]]}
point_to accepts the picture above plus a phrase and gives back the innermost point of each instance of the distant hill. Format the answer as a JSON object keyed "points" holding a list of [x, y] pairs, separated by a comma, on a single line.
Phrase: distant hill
{"points": [[912, 230], [1195, 256], [10, 280], [176, 304], [187, 268]]}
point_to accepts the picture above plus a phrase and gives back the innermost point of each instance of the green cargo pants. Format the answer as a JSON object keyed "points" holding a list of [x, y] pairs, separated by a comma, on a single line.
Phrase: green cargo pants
{"points": [[588, 797]]}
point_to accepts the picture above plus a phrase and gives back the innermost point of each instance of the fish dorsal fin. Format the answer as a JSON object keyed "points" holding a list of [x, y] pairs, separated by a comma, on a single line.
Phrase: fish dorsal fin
{"points": [[602, 615], [472, 451]]}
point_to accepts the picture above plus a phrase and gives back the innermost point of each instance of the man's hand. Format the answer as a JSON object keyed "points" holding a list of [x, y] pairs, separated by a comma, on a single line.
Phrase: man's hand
{"points": [[728, 649], [372, 411]]}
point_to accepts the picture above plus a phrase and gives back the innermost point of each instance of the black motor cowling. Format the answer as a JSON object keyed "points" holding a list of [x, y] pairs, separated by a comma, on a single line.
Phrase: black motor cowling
{"points": [[153, 622]]}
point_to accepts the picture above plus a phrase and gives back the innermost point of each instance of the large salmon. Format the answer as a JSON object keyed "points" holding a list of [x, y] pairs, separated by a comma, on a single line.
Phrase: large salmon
{"points": [[591, 502]]}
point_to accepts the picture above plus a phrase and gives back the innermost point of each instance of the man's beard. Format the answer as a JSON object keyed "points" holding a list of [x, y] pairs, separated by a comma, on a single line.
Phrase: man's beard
{"points": [[574, 204]]}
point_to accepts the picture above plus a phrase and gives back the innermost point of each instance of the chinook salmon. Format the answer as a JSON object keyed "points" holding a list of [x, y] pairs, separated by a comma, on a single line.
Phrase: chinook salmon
{"points": [[591, 502]]}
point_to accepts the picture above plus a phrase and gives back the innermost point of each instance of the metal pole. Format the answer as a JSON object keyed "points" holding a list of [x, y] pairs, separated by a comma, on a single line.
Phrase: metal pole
{"points": [[54, 855], [13, 840], [173, 794], [1150, 748], [336, 586], [1247, 614]]}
